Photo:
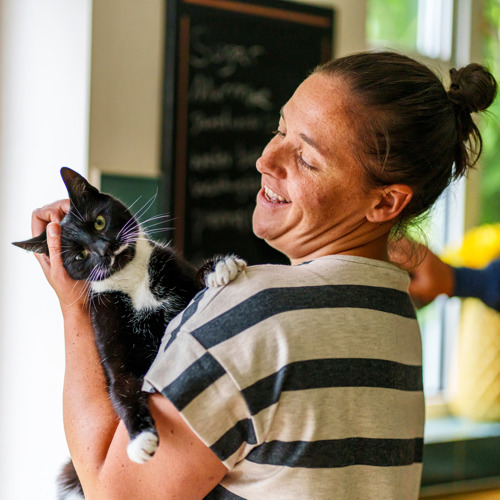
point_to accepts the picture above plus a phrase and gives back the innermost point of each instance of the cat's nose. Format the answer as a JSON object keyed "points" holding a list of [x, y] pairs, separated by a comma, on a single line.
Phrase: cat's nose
{"points": [[103, 249]]}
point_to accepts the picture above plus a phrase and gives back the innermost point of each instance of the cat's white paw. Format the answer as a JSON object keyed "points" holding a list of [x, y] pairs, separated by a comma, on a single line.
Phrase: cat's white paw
{"points": [[225, 271], [142, 447]]}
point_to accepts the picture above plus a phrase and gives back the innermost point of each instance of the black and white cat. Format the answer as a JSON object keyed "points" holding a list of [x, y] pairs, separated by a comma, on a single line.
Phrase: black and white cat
{"points": [[135, 286]]}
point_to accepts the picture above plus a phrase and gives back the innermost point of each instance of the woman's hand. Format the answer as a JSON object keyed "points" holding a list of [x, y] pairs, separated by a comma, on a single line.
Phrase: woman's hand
{"points": [[71, 294]]}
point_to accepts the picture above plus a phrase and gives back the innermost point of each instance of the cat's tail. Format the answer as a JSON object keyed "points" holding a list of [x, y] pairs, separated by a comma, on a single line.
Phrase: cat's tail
{"points": [[68, 484]]}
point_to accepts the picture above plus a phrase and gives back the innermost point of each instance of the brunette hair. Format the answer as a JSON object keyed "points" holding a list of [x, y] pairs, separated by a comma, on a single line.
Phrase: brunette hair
{"points": [[410, 129]]}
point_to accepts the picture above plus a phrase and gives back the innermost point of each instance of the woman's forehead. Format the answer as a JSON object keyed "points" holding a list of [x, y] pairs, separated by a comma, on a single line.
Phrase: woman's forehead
{"points": [[320, 105]]}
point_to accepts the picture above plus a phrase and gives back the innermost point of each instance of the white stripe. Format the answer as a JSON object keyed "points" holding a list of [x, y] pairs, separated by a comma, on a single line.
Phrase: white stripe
{"points": [[350, 333], [255, 482], [344, 412]]}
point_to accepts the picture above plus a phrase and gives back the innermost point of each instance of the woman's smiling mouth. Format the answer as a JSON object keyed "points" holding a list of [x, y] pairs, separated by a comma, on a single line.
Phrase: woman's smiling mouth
{"points": [[273, 197]]}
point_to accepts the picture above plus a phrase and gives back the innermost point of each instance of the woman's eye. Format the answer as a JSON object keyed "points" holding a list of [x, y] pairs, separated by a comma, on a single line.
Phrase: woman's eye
{"points": [[279, 132], [83, 255], [303, 163], [100, 223]]}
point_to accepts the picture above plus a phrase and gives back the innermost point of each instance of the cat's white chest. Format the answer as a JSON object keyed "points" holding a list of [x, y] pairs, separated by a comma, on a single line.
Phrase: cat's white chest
{"points": [[133, 279]]}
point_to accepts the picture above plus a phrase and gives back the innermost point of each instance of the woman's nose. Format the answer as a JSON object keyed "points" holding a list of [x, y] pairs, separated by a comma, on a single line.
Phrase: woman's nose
{"points": [[273, 160]]}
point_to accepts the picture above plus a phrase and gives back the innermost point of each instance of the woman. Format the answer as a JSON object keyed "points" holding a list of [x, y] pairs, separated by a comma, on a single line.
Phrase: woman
{"points": [[299, 381]]}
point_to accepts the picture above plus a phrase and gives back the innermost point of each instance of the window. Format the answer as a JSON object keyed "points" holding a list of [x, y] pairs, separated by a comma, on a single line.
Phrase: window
{"points": [[392, 23], [422, 26], [489, 189]]}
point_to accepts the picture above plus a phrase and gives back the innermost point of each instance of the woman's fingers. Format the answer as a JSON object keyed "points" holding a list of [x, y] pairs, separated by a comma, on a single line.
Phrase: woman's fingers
{"points": [[54, 212]]}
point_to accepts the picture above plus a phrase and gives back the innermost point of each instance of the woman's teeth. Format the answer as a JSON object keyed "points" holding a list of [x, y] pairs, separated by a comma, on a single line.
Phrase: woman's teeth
{"points": [[273, 197]]}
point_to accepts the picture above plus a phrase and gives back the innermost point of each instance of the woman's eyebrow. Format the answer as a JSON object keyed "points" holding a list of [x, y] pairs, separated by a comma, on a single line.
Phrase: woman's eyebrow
{"points": [[305, 137]]}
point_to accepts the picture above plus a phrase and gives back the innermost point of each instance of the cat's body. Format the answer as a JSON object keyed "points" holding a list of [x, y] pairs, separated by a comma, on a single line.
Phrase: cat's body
{"points": [[136, 287], [129, 311]]}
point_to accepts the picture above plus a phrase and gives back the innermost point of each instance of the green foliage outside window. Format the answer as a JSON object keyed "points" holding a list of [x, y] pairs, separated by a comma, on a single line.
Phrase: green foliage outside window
{"points": [[490, 129], [392, 23]]}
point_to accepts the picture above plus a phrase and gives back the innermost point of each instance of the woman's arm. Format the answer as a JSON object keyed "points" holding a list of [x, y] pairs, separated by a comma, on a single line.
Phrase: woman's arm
{"points": [[183, 467]]}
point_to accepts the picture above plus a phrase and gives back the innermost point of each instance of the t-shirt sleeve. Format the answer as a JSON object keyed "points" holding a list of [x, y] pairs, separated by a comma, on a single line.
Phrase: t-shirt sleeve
{"points": [[207, 397], [483, 284]]}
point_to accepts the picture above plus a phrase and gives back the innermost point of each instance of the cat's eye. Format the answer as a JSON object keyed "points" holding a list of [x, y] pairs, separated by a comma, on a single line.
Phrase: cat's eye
{"points": [[100, 223], [83, 255]]}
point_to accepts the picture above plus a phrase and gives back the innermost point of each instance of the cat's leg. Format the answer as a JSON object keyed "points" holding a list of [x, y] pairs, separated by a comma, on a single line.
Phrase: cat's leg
{"points": [[132, 406], [221, 271]]}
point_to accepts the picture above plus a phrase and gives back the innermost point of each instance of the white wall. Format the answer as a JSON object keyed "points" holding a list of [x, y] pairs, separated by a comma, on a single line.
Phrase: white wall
{"points": [[127, 72], [44, 88]]}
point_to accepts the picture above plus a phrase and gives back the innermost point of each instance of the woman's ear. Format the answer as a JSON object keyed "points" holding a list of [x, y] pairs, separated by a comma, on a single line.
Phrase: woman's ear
{"points": [[389, 202]]}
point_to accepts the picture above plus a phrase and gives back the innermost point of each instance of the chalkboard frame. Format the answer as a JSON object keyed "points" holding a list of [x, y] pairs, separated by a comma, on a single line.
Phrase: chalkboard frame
{"points": [[174, 157]]}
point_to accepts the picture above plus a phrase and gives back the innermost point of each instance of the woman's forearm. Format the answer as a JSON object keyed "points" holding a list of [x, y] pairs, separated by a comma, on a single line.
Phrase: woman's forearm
{"points": [[90, 421]]}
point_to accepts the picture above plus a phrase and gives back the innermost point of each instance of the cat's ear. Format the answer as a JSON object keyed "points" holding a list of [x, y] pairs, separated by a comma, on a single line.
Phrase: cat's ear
{"points": [[78, 187], [38, 244]]}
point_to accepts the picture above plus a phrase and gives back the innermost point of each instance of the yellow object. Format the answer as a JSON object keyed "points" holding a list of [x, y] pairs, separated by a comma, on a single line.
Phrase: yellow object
{"points": [[479, 247], [478, 385], [477, 394]]}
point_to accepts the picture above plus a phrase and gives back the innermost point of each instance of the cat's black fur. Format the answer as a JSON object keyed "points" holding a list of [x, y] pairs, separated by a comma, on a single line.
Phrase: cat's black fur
{"points": [[128, 316]]}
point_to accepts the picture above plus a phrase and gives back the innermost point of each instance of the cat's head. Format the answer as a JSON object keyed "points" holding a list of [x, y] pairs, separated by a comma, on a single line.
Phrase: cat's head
{"points": [[98, 234]]}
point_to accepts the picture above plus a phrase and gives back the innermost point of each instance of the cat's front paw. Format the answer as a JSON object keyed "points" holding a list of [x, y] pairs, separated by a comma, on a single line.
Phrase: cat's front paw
{"points": [[142, 447], [225, 270]]}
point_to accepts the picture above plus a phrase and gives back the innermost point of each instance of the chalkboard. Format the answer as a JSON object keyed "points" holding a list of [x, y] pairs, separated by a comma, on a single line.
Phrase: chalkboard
{"points": [[230, 67]]}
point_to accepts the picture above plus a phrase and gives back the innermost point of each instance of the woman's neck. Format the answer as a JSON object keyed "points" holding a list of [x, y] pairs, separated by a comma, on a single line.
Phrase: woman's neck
{"points": [[370, 243]]}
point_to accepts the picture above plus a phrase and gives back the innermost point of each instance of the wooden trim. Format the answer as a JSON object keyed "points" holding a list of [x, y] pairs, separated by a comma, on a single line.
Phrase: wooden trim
{"points": [[181, 137], [271, 12]]}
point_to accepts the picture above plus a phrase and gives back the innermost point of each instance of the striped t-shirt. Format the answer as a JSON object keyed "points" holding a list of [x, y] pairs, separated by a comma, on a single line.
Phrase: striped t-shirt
{"points": [[306, 381]]}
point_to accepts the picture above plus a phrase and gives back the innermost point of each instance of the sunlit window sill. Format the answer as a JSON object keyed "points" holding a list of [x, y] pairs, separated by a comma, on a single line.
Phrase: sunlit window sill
{"points": [[459, 454]]}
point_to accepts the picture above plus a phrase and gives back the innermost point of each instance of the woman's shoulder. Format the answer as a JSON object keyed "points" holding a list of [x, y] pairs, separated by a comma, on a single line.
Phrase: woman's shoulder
{"points": [[319, 278]]}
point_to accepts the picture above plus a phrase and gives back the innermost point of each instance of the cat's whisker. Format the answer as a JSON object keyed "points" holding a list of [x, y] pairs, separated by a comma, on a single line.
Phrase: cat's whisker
{"points": [[131, 230], [156, 217], [138, 214], [130, 207], [130, 224], [83, 293], [154, 224], [74, 210], [157, 228], [146, 206]]}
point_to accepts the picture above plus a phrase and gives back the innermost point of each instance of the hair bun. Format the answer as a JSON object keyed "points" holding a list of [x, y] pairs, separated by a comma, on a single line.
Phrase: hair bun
{"points": [[472, 88]]}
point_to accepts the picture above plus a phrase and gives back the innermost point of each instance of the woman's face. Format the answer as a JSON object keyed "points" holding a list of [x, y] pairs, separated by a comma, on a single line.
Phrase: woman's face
{"points": [[314, 195]]}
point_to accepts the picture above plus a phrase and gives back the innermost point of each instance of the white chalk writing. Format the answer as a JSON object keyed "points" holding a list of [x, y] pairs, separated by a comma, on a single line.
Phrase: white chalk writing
{"points": [[204, 89], [214, 160], [225, 120], [241, 189], [227, 56]]}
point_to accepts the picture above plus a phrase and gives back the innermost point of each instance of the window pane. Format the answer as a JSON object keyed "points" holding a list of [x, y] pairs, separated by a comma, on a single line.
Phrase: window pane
{"points": [[490, 127], [392, 23]]}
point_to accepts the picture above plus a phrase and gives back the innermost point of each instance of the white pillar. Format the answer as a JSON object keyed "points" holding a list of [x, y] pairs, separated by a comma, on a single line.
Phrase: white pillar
{"points": [[44, 102]]}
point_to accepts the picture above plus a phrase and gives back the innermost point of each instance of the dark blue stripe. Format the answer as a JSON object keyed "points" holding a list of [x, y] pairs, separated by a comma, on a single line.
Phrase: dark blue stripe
{"points": [[193, 381], [337, 372], [272, 301], [230, 442], [187, 314], [337, 453], [220, 493]]}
